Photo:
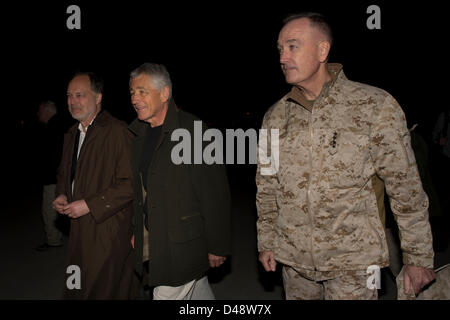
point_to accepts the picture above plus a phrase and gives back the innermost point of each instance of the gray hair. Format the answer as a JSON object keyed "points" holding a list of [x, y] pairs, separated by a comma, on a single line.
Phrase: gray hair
{"points": [[317, 20], [158, 73], [50, 106]]}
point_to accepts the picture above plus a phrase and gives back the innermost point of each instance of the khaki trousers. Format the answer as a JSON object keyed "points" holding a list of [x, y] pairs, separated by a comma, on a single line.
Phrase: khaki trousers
{"points": [[194, 290]]}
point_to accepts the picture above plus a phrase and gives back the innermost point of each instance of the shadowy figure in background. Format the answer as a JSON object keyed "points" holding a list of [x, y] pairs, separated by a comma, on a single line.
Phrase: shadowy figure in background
{"points": [[50, 142], [422, 155], [441, 133], [441, 139]]}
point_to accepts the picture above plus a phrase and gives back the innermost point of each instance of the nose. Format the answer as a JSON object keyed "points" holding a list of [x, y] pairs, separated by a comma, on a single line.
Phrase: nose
{"points": [[134, 99], [71, 100], [284, 57]]}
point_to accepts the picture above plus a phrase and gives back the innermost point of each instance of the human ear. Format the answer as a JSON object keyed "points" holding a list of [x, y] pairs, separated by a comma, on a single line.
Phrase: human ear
{"points": [[98, 98], [324, 50], [165, 94]]}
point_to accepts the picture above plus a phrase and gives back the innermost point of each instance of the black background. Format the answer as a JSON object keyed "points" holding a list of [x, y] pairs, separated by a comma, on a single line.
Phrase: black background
{"points": [[222, 58], [221, 55]]}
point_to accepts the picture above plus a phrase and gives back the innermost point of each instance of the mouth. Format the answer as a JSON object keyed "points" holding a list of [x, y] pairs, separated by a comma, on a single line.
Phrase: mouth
{"points": [[288, 68], [139, 107]]}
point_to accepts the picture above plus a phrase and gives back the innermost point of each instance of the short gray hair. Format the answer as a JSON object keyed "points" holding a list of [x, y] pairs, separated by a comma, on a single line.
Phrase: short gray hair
{"points": [[317, 20], [158, 72]]}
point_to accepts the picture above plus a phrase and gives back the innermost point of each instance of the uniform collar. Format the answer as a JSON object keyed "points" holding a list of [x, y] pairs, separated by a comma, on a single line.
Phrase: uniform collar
{"points": [[296, 94]]}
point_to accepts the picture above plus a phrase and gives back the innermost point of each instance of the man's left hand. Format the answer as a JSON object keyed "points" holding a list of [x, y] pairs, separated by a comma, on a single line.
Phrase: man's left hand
{"points": [[417, 278], [76, 209], [215, 261]]}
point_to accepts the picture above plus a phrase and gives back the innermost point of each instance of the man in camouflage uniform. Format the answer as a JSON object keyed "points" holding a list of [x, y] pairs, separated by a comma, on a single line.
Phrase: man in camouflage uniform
{"points": [[318, 213]]}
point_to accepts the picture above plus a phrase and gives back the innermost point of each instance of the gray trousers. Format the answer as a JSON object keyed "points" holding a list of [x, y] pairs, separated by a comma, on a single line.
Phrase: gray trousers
{"points": [[49, 215]]}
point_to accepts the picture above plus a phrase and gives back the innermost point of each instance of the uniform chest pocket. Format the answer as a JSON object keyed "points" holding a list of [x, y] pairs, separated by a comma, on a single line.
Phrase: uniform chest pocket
{"points": [[347, 155]]}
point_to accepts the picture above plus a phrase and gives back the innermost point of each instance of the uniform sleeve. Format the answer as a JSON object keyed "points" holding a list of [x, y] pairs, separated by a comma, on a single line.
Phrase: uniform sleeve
{"points": [[267, 186], [110, 201], [395, 163]]}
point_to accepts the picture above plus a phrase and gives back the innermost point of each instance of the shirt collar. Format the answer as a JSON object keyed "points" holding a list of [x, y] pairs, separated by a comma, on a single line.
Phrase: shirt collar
{"points": [[80, 126]]}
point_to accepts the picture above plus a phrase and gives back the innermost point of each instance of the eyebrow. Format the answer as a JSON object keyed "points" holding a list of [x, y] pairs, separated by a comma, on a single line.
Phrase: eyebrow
{"points": [[139, 87], [289, 41], [292, 40]]}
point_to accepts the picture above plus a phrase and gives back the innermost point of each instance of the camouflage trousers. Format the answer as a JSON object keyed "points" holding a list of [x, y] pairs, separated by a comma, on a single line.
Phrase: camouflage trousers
{"points": [[348, 286]]}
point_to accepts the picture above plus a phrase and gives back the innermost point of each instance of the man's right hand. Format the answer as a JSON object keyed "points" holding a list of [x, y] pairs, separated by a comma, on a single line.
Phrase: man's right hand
{"points": [[59, 203], [267, 260]]}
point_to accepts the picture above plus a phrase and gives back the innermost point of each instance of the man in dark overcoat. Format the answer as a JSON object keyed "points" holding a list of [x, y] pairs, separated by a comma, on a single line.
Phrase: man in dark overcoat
{"points": [[94, 190], [181, 210]]}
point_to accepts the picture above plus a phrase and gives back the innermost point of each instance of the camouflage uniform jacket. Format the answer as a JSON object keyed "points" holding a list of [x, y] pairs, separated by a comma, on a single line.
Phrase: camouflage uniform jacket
{"points": [[319, 210]]}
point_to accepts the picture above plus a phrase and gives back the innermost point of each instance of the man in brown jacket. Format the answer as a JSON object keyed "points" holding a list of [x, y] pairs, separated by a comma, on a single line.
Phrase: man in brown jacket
{"points": [[94, 190], [318, 212]]}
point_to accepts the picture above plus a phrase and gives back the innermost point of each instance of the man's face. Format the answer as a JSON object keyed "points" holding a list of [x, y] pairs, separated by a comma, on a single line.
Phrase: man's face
{"points": [[42, 114], [298, 44], [82, 101], [146, 100]]}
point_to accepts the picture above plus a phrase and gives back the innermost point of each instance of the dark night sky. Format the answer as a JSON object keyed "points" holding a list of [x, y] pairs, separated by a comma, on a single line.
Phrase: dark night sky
{"points": [[221, 54]]}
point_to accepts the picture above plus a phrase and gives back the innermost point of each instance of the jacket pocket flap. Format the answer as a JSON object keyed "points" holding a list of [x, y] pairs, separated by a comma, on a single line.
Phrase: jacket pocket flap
{"points": [[187, 229]]}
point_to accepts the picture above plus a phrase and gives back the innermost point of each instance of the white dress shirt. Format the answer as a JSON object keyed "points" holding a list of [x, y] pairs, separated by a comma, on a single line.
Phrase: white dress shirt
{"points": [[80, 142]]}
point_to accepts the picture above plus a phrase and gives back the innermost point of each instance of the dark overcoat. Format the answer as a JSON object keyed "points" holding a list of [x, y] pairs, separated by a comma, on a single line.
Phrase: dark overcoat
{"points": [[99, 242], [188, 207]]}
